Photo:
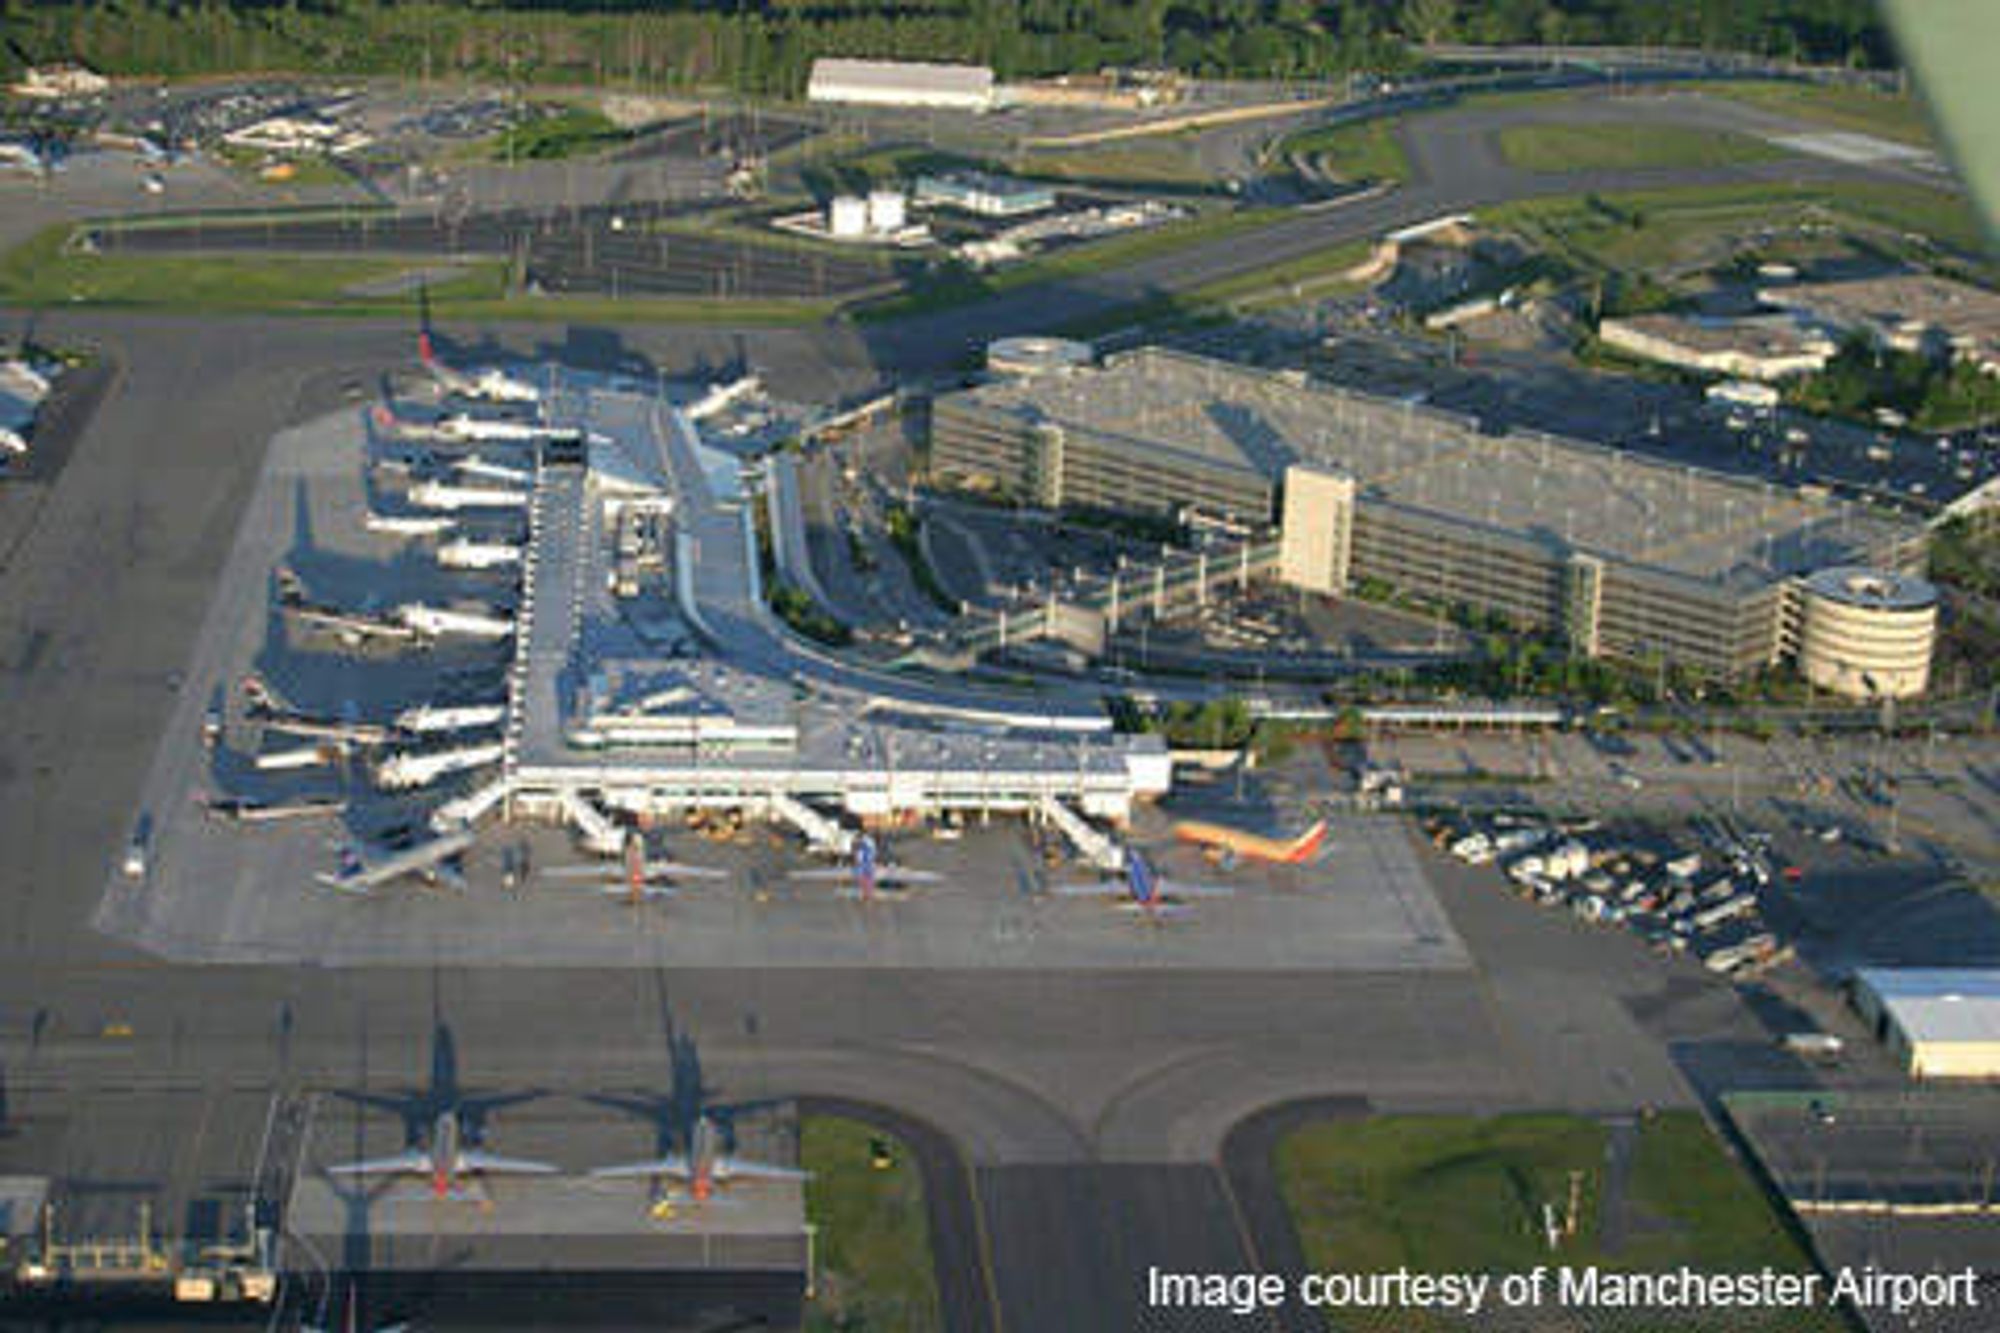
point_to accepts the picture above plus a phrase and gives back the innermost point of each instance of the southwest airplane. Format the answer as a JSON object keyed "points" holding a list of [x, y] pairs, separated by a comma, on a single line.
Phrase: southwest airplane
{"points": [[1255, 847], [446, 1154]]}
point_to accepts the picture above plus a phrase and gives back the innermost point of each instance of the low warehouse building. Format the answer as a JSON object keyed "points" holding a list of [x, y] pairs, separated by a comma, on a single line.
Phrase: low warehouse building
{"points": [[900, 83], [1942, 1022]]}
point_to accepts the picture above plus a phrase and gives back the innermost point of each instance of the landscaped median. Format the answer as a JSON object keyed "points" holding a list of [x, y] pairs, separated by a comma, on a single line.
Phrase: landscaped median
{"points": [[1461, 1196], [872, 1266]]}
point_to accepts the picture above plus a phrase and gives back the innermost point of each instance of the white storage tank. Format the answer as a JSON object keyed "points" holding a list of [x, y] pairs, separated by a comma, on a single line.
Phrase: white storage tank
{"points": [[888, 211], [847, 215]]}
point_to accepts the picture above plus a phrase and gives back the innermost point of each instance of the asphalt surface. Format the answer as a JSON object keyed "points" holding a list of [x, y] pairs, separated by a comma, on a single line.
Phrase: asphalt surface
{"points": [[1091, 1107]]}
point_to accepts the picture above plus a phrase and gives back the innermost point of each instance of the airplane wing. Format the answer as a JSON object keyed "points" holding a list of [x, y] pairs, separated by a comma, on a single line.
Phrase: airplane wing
{"points": [[1177, 888], [904, 875], [728, 1168], [412, 1162], [826, 875], [492, 1164], [674, 1164], [1102, 888], [682, 870]]}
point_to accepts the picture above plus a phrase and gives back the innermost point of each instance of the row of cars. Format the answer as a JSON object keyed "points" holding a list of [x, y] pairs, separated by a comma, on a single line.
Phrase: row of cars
{"points": [[1677, 901]]}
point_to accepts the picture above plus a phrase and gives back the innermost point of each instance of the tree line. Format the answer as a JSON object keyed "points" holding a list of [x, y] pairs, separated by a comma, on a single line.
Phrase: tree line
{"points": [[767, 46]]}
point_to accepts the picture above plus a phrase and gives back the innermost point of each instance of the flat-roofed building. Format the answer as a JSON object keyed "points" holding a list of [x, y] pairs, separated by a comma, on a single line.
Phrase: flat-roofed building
{"points": [[1622, 555], [900, 83], [1941, 1022], [1910, 312], [1759, 348], [986, 194]]}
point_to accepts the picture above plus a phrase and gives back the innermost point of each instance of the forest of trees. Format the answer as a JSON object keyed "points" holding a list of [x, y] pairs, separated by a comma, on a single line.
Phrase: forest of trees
{"points": [[766, 46]]}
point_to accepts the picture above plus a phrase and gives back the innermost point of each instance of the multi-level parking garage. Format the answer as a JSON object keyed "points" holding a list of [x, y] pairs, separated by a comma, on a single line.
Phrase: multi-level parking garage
{"points": [[1624, 556]]}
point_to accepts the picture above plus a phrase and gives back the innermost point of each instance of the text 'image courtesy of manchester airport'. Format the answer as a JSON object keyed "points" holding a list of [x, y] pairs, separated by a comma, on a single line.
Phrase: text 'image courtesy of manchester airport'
{"points": [[999, 671]]}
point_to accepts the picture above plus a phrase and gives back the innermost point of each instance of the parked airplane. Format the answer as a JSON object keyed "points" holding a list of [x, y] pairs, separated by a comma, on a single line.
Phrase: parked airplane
{"points": [[443, 495], [1238, 843], [464, 553], [431, 719], [363, 869], [489, 384], [408, 525], [638, 879], [1142, 889], [247, 810], [448, 1152], [438, 621], [706, 1166], [420, 768], [868, 875], [264, 707], [474, 466], [720, 396]]}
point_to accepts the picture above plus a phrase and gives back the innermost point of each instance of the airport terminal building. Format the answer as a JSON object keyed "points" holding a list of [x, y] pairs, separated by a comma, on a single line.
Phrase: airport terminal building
{"points": [[1623, 556]]}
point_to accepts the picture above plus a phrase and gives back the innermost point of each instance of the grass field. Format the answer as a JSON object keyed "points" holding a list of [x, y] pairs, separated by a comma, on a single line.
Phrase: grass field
{"points": [[1086, 257], [570, 131], [1605, 146], [1367, 150], [874, 1269], [1170, 161], [40, 273], [1857, 110], [1461, 1194], [1649, 229]]}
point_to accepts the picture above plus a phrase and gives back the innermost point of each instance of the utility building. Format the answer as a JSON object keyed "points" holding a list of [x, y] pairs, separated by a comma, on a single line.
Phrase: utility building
{"points": [[900, 83], [1942, 1022]]}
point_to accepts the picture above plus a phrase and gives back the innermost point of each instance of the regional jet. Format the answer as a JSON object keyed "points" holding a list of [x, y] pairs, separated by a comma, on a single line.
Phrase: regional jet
{"points": [[638, 879], [706, 1166], [363, 869], [868, 875], [448, 1152], [1141, 889], [489, 384]]}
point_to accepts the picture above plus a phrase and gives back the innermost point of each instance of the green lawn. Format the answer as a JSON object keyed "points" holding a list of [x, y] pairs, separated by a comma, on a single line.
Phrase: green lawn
{"points": [[1649, 229], [1168, 161], [40, 273], [1857, 110], [570, 131], [1365, 150], [952, 289], [1609, 146], [1463, 1194], [873, 1265]]}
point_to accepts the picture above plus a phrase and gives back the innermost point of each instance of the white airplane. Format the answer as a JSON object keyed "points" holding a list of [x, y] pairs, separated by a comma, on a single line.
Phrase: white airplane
{"points": [[438, 621], [474, 466], [464, 553], [245, 810], [350, 627], [638, 879], [1141, 889], [704, 1168], [420, 768], [408, 525], [363, 869], [447, 1153], [443, 495], [430, 719], [868, 875], [490, 384], [720, 396]]}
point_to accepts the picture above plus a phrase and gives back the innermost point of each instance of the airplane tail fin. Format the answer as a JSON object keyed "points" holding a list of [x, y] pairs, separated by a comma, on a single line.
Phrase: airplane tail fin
{"points": [[425, 353], [1307, 845]]}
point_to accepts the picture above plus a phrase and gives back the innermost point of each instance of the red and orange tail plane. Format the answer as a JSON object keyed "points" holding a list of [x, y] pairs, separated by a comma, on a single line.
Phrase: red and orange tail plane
{"points": [[1254, 846]]}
